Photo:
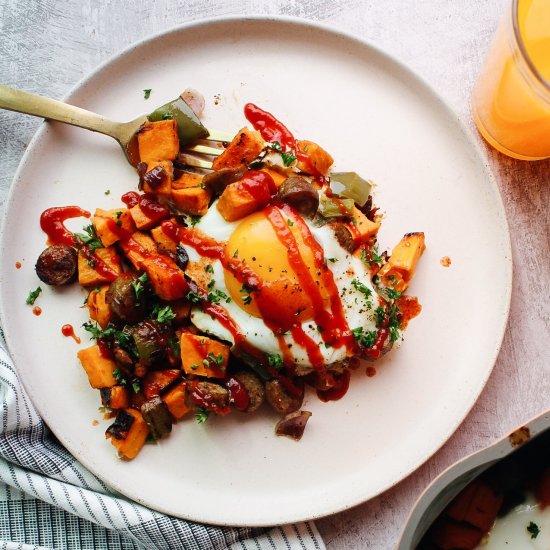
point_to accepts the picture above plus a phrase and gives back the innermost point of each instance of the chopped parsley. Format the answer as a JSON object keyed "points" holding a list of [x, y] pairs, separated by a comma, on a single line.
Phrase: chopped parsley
{"points": [[236, 253], [110, 333], [209, 268], [392, 294], [361, 287], [119, 377], [33, 295], [246, 290], [332, 260], [364, 339], [533, 529], [201, 415], [89, 237], [275, 360], [391, 318], [288, 158], [163, 314], [217, 295], [147, 93], [373, 257], [194, 220], [108, 192], [289, 222], [139, 286], [214, 359], [136, 386], [193, 297], [175, 346]]}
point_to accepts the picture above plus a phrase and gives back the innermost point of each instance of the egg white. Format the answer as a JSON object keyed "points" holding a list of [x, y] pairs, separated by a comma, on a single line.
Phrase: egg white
{"points": [[344, 267]]}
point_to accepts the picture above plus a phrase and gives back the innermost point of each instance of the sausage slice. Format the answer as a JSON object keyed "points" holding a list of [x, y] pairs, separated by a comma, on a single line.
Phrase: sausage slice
{"points": [[57, 265]]}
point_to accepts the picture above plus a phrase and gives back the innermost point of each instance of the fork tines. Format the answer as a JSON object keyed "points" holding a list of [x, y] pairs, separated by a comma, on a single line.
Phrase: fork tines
{"points": [[202, 153]]}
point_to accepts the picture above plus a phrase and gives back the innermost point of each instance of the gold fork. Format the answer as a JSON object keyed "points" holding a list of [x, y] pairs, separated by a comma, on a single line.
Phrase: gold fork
{"points": [[195, 155]]}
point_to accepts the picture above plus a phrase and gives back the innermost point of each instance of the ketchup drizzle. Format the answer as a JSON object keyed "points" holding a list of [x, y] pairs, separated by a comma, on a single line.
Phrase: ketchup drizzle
{"points": [[51, 222], [270, 128]]}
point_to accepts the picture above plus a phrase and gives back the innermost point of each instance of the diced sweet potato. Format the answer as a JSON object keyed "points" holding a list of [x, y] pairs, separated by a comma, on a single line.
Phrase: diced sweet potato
{"points": [[100, 310], [163, 188], [203, 356], [163, 240], [167, 279], [98, 267], [362, 229], [146, 219], [137, 247], [277, 177], [158, 141], [192, 200], [98, 367], [176, 401], [236, 202], [483, 507], [400, 268], [128, 433], [116, 397], [155, 382], [244, 148], [112, 225], [186, 180], [317, 159], [450, 535]]}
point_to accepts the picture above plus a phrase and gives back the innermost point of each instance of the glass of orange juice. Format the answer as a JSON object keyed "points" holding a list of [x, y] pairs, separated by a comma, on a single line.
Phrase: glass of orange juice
{"points": [[511, 101]]}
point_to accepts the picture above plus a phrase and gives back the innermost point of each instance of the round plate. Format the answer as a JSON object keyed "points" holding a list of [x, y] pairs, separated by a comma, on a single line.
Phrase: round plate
{"points": [[375, 117]]}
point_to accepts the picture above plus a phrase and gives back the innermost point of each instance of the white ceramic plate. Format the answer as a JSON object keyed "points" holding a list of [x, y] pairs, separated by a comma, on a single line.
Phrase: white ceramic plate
{"points": [[375, 117]]}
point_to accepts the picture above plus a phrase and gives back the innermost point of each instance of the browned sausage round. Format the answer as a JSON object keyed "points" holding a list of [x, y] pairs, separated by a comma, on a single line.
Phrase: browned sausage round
{"points": [[217, 181], [254, 388], [280, 399], [344, 237], [301, 194], [57, 265]]}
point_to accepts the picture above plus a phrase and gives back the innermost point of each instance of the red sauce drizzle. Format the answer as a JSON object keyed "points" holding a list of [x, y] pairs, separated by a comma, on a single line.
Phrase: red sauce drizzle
{"points": [[260, 185], [151, 208], [51, 222], [130, 199], [238, 394], [270, 128], [104, 349], [68, 331], [371, 371], [37, 310], [17, 265], [98, 264]]}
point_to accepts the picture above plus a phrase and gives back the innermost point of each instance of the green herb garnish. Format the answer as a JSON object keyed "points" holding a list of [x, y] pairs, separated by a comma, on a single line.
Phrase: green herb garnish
{"points": [[163, 314], [193, 297], [202, 415], [364, 339], [89, 237], [194, 220], [147, 93], [288, 158], [139, 286], [33, 295], [533, 529], [275, 360]]}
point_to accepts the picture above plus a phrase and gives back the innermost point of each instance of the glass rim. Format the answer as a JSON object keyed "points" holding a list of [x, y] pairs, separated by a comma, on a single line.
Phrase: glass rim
{"points": [[519, 40]]}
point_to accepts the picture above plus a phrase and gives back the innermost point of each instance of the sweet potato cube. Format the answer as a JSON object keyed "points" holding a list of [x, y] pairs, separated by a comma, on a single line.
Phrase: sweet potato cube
{"points": [[100, 310], [203, 356], [449, 535], [98, 367], [236, 202], [116, 397], [167, 279], [483, 507], [400, 268], [157, 381], [244, 148], [98, 267], [145, 220], [176, 401], [137, 247], [317, 160], [186, 180], [276, 176], [128, 433], [112, 225], [161, 172], [158, 141], [163, 240], [192, 200], [362, 229]]}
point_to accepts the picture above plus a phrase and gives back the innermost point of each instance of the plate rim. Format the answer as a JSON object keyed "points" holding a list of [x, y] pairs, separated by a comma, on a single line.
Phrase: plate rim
{"points": [[473, 143]]}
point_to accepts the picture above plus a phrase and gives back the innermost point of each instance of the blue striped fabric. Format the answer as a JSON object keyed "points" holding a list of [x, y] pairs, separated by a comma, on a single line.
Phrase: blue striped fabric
{"points": [[49, 500]]}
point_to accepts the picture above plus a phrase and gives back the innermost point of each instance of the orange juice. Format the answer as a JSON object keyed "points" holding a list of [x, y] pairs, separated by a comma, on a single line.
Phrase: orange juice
{"points": [[511, 102]]}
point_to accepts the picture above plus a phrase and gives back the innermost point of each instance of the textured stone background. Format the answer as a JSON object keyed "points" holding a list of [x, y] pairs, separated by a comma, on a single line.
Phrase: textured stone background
{"points": [[46, 46]]}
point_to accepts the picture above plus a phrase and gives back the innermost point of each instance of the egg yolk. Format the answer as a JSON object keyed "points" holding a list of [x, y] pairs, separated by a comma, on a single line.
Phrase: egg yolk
{"points": [[255, 242]]}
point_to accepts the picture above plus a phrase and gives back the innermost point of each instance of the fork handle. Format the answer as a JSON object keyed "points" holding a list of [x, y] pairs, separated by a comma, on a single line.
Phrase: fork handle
{"points": [[36, 105]]}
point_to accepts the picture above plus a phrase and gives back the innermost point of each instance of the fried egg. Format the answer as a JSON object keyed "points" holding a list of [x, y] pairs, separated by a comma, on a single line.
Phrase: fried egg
{"points": [[343, 283]]}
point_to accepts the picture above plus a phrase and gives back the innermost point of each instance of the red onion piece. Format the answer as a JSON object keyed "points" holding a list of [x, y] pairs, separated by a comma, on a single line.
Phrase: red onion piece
{"points": [[194, 99], [293, 425]]}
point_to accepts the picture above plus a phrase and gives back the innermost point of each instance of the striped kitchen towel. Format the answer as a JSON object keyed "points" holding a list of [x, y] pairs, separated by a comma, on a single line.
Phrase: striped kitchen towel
{"points": [[49, 500]]}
